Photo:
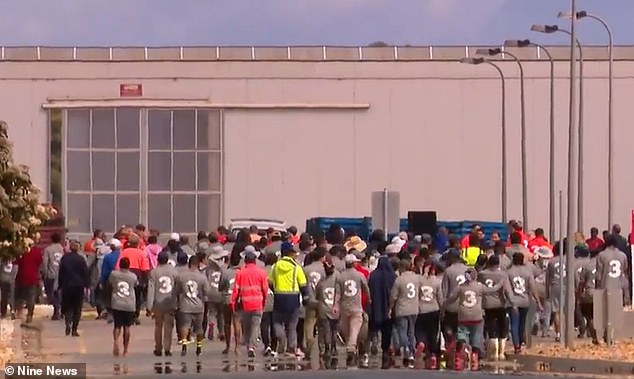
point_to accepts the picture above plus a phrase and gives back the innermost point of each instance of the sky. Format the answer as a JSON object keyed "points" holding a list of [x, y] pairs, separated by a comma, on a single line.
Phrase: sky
{"points": [[299, 22]]}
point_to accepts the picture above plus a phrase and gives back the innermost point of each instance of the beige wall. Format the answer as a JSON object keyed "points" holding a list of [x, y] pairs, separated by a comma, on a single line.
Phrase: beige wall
{"points": [[431, 132]]}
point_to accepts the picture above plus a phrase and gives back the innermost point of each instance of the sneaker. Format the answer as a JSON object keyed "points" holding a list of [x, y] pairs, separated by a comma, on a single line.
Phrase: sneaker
{"points": [[55, 317], [365, 361], [251, 353], [267, 352], [67, 331], [157, 353], [299, 353], [75, 334], [168, 353]]}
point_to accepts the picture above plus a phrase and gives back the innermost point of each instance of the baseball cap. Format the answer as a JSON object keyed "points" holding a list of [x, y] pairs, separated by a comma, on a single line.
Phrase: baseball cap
{"points": [[249, 251], [393, 249], [286, 247], [350, 258], [175, 237], [115, 243]]}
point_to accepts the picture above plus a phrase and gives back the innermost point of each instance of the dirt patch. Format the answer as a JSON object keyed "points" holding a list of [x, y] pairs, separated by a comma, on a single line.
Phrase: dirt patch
{"points": [[622, 351], [7, 334]]}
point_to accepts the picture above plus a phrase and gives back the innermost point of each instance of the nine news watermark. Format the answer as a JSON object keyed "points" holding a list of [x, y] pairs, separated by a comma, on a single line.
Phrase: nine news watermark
{"points": [[45, 371]]}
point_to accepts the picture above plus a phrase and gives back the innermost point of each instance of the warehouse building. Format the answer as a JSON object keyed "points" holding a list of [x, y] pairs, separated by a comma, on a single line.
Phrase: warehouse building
{"points": [[186, 138]]}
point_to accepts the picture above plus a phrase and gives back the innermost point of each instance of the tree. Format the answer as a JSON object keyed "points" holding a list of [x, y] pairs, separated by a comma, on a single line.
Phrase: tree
{"points": [[378, 44], [21, 212]]}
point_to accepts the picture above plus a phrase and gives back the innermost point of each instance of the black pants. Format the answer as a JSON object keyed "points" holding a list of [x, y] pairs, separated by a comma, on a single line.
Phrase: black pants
{"points": [[450, 326], [427, 331], [300, 334], [495, 323], [72, 301], [7, 298], [206, 317], [385, 328], [328, 330], [139, 292], [269, 339]]}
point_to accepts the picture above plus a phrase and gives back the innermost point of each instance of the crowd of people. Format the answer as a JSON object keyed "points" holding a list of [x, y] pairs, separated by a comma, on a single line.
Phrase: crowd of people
{"points": [[419, 297]]}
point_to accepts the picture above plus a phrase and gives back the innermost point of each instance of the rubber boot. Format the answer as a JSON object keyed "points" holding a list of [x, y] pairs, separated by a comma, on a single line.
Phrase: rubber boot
{"points": [[450, 353], [459, 357], [493, 349], [420, 350], [502, 349], [327, 352], [432, 362], [475, 364]]}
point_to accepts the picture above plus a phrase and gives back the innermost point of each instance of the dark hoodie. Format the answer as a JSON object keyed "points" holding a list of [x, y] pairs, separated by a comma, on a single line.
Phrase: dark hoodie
{"points": [[380, 283]]}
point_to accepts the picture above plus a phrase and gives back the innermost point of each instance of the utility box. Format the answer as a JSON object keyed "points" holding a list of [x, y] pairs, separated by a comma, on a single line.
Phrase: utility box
{"points": [[386, 209]]}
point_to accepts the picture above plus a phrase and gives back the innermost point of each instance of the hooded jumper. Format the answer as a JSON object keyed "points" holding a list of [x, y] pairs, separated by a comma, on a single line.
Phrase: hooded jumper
{"points": [[381, 282]]}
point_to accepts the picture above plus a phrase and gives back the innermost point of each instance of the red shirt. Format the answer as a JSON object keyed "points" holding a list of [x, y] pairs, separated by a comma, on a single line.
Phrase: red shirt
{"points": [[594, 243], [465, 241], [252, 286], [366, 275], [524, 238], [536, 243], [137, 257], [29, 268]]}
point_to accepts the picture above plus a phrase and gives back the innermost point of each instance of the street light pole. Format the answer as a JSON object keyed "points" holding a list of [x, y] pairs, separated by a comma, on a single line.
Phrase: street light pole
{"points": [[572, 171], [477, 61], [497, 51], [584, 14], [548, 29], [551, 168]]}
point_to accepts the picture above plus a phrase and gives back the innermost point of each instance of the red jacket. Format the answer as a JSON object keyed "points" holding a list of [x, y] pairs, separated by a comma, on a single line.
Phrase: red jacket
{"points": [[29, 268], [538, 242], [251, 287], [366, 274]]}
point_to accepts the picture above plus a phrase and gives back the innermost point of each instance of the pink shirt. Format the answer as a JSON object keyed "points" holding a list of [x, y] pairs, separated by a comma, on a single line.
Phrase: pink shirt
{"points": [[152, 251]]}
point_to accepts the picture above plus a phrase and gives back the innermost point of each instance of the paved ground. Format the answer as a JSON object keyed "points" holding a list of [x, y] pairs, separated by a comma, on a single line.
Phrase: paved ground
{"points": [[94, 347]]}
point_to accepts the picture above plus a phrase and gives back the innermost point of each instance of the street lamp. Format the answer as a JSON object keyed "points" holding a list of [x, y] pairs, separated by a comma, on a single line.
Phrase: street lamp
{"points": [[549, 29], [477, 61], [581, 15], [551, 212]]}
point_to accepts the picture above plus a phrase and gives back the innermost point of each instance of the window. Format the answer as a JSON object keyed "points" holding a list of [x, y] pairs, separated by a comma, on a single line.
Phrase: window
{"points": [[122, 166]]}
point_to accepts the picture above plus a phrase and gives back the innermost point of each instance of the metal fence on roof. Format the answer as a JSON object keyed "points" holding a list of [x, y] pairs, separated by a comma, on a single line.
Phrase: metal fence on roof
{"points": [[288, 53]]}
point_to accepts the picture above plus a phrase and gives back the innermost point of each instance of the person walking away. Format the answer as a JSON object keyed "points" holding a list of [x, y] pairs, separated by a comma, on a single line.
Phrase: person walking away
{"points": [[431, 298], [123, 304], [522, 292], [231, 318], [314, 272], [215, 268], [8, 273], [380, 283], [350, 285], [50, 268], [27, 281], [290, 292], [72, 281], [541, 257], [586, 286], [192, 289], [582, 258], [107, 267], [404, 303], [161, 303], [594, 242], [184, 243], [269, 340], [363, 341], [555, 274], [540, 240], [328, 312], [140, 266], [496, 324], [152, 250], [518, 245], [249, 294], [453, 277], [612, 266], [470, 324]]}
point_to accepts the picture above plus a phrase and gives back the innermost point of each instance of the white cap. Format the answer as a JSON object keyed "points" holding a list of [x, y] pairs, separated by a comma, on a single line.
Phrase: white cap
{"points": [[249, 249], [175, 237], [115, 243], [403, 236], [393, 249], [350, 258], [398, 241]]}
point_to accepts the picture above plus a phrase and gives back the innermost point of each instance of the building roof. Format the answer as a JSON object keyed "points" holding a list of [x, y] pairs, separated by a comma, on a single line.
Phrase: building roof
{"points": [[289, 53]]}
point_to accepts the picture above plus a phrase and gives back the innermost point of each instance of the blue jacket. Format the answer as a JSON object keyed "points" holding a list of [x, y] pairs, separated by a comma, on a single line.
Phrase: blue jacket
{"points": [[109, 263]]}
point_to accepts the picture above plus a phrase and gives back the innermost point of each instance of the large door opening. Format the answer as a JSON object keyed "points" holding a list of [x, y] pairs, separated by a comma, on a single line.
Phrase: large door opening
{"points": [[123, 166]]}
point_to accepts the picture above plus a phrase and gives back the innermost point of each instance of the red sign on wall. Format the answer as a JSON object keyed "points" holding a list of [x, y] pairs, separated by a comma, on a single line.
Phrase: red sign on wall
{"points": [[130, 90]]}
